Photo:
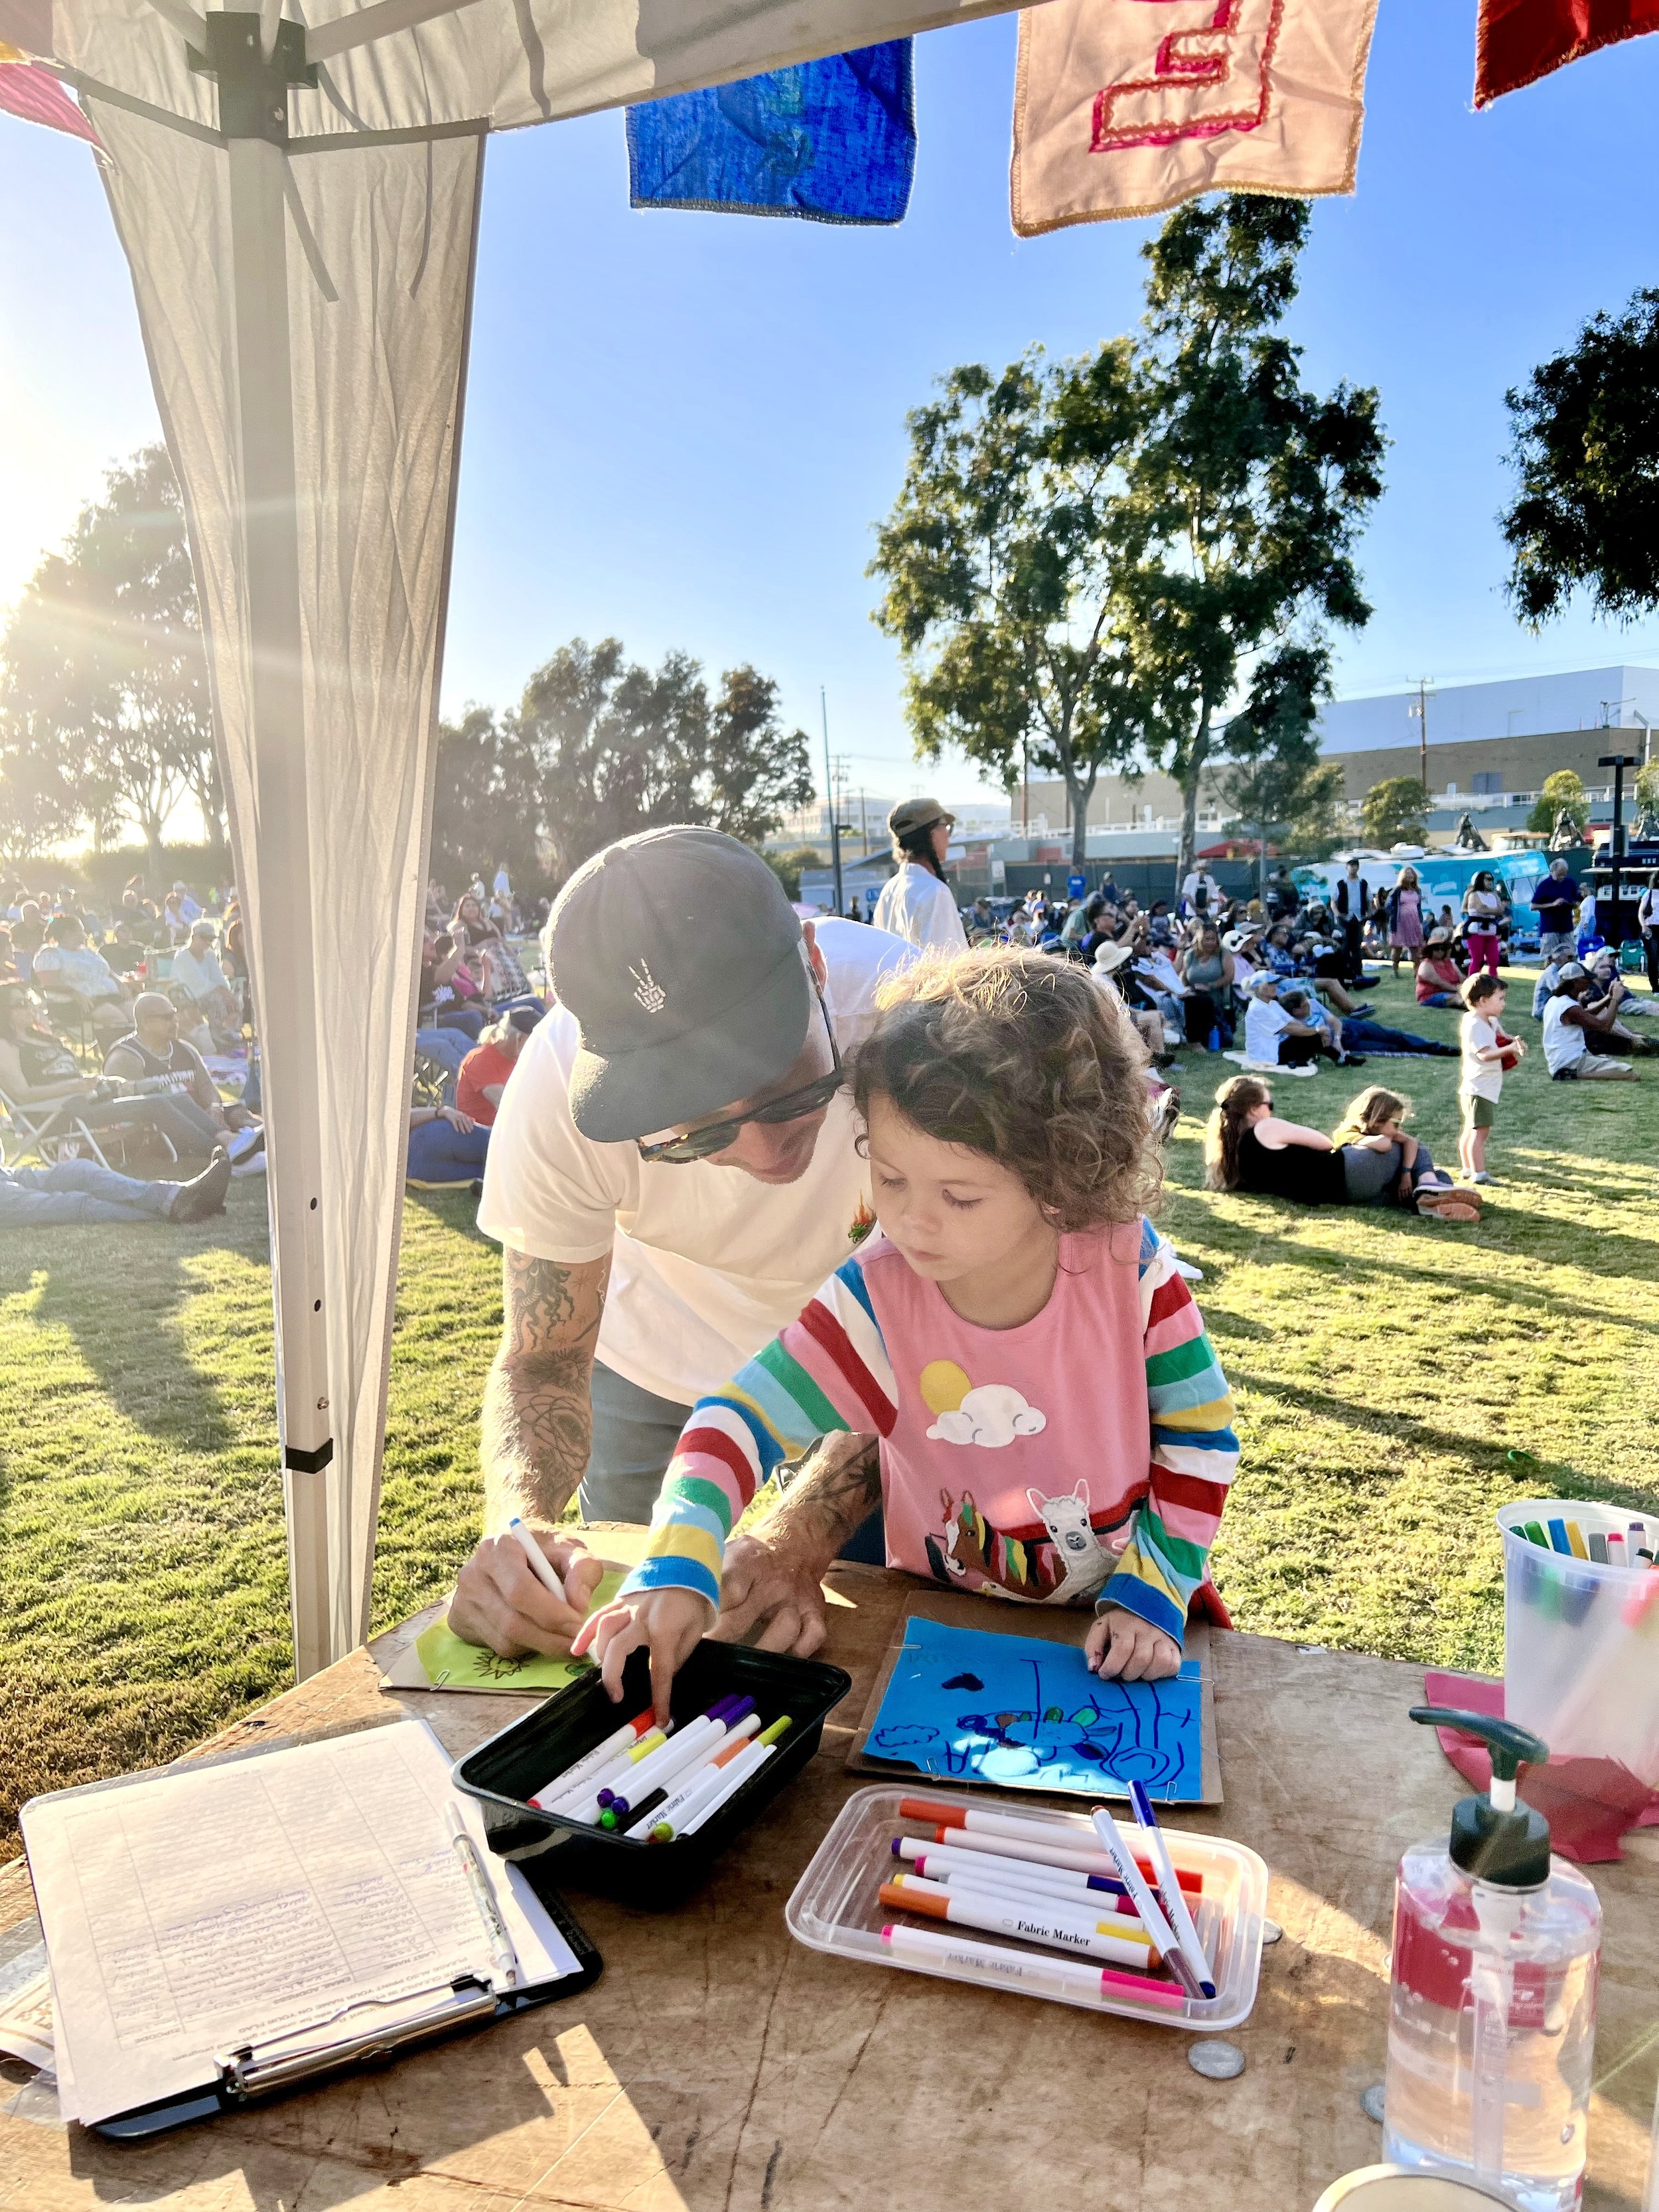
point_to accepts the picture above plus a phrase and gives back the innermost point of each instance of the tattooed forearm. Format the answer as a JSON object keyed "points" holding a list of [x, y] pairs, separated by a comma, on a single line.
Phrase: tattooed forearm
{"points": [[834, 1494], [538, 1420]]}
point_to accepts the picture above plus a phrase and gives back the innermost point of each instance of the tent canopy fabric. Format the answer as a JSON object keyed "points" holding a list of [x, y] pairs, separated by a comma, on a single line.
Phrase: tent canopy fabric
{"points": [[299, 202]]}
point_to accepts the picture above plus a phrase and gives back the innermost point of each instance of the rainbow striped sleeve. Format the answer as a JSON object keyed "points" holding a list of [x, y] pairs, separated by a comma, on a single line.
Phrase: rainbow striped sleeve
{"points": [[828, 1372], [1194, 1451]]}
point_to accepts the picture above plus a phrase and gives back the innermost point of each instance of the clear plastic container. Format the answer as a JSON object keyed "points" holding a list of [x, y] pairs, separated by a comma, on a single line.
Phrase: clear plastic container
{"points": [[1581, 1640], [836, 1905]]}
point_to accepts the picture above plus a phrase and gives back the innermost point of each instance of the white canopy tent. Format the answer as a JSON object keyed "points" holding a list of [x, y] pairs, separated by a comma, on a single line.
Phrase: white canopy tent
{"points": [[299, 204]]}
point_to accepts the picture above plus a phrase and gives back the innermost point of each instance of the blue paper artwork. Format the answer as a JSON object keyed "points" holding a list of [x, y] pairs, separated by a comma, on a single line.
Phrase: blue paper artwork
{"points": [[833, 140], [1035, 1718]]}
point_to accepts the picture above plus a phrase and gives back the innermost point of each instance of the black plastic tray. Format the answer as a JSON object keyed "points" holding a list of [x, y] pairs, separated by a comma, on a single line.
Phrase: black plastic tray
{"points": [[501, 1773]]}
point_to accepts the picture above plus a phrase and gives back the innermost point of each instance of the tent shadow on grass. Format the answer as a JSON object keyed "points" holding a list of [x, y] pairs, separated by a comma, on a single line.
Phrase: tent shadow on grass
{"points": [[116, 1313]]}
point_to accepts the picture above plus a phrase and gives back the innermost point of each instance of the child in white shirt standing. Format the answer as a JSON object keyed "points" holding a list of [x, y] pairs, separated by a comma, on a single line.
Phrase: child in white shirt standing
{"points": [[1486, 1053]]}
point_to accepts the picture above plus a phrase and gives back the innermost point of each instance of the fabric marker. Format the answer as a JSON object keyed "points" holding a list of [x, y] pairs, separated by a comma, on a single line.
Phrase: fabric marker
{"points": [[1575, 1540], [586, 1793], [584, 1804], [995, 1916], [601, 1755], [1103, 1919], [1598, 1548], [993, 1832], [643, 1817], [728, 1783], [665, 1764], [1146, 1905], [540, 1565], [1019, 1969], [1535, 1534], [1169, 1889], [1559, 1536], [1030, 1874], [1639, 1536], [661, 1823]]}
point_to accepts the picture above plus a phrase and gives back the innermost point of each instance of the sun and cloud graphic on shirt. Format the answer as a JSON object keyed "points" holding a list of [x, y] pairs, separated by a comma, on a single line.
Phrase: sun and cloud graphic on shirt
{"points": [[992, 1414]]}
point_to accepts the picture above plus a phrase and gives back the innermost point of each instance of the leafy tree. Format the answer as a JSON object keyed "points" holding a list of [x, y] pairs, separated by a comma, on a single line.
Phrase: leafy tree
{"points": [[1256, 487], [487, 802], [1647, 788], [1274, 782], [786, 866], [618, 748], [105, 674], [1091, 561], [1585, 447], [1563, 794], [1000, 558], [755, 773], [1395, 812]]}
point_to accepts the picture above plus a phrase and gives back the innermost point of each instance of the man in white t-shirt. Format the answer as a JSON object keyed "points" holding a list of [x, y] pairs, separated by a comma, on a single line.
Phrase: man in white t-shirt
{"points": [[1576, 1046], [672, 1174]]}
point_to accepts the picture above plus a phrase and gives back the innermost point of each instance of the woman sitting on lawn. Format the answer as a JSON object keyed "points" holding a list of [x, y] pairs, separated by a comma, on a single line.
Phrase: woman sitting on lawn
{"points": [[1439, 978], [1371, 1161]]}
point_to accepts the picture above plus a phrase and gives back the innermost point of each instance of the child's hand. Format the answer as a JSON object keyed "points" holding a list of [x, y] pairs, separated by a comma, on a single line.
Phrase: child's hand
{"points": [[1121, 1646], [670, 1623]]}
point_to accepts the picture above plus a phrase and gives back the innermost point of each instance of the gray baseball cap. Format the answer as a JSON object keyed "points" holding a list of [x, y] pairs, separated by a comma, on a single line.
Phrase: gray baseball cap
{"points": [[684, 966]]}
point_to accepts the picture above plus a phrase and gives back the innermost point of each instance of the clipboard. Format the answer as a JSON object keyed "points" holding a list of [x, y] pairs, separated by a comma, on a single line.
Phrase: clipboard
{"points": [[246, 2076], [400, 1862]]}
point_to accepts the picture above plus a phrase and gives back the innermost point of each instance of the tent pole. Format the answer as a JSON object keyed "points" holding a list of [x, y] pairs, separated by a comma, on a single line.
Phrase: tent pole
{"points": [[281, 913]]}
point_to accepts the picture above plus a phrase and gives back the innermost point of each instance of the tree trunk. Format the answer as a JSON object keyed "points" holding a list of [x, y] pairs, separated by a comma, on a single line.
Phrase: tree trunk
{"points": [[156, 859], [1189, 781]]}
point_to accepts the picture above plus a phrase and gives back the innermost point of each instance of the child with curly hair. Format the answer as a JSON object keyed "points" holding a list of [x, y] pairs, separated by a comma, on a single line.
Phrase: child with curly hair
{"points": [[1051, 1420]]}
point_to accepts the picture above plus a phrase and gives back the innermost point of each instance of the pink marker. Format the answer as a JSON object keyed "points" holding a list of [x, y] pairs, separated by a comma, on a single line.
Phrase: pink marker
{"points": [[996, 1968]]}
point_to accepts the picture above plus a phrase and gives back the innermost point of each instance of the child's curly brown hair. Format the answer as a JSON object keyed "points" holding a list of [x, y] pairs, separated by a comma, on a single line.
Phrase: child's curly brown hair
{"points": [[1026, 1059]]}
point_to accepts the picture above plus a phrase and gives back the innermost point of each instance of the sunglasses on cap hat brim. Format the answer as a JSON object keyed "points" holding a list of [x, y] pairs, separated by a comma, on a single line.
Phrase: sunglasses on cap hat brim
{"points": [[717, 1136]]}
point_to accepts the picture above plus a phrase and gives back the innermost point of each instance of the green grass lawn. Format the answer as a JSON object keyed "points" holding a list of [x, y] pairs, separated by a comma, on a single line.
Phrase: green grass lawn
{"points": [[1398, 1379]]}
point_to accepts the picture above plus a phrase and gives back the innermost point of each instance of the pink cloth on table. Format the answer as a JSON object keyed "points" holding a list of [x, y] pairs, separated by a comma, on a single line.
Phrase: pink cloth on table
{"points": [[1590, 1803]]}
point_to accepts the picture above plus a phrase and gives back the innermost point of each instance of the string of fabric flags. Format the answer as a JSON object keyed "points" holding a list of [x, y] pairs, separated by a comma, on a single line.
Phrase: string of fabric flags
{"points": [[1122, 107]]}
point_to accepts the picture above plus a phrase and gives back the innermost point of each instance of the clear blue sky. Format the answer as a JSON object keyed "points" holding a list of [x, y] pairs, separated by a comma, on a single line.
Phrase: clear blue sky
{"points": [[681, 427]]}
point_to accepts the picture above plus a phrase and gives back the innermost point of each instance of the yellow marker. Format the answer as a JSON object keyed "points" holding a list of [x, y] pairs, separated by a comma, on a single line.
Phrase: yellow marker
{"points": [[1576, 1539], [646, 1744], [771, 1734]]}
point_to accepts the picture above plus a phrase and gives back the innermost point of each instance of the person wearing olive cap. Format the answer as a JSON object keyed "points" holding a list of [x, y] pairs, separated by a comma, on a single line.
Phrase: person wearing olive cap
{"points": [[673, 1171], [916, 903]]}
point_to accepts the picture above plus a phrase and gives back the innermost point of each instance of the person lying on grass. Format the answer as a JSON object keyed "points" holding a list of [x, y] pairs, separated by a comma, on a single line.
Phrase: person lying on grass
{"points": [[1370, 1161], [1023, 1380]]}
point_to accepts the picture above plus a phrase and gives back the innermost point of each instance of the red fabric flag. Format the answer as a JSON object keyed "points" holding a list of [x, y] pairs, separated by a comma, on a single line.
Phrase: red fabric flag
{"points": [[35, 93], [1518, 41]]}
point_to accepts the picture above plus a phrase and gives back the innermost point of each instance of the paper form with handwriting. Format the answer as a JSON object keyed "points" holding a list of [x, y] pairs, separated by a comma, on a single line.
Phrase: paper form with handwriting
{"points": [[193, 1913]]}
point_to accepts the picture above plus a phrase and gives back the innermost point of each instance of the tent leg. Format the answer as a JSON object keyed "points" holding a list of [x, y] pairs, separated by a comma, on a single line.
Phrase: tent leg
{"points": [[280, 935]]}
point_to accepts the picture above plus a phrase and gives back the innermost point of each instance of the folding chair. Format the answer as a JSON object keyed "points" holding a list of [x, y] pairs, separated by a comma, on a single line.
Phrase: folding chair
{"points": [[50, 1129], [68, 1011], [431, 1079]]}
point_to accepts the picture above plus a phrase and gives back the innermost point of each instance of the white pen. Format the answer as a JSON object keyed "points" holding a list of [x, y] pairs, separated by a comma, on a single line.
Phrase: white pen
{"points": [[540, 1565], [503, 1959], [1151, 1911], [1169, 1888]]}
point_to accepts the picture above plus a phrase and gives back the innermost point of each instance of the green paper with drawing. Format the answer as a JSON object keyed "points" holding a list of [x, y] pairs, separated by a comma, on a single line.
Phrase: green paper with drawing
{"points": [[451, 1664]]}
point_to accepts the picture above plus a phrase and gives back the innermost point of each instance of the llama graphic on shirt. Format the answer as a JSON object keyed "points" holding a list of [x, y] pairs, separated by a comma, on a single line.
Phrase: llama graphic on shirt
{"points": [[1062, 1556]]}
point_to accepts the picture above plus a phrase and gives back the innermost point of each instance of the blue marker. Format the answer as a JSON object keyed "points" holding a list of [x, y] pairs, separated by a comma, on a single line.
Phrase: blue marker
{"points": [[1558, 1537]]}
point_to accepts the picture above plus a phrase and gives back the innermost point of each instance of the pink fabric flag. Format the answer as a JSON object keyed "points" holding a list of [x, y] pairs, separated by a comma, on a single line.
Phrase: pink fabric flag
{"points": [[1126, 107], [35, 93]]}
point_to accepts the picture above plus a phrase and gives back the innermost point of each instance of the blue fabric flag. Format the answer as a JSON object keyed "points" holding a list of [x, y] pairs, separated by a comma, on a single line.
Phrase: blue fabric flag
{"points": [[833, 140]]}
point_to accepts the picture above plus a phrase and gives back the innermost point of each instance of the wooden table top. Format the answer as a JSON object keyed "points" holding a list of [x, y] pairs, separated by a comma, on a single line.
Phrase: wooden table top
{"points": [[719, 2066]]}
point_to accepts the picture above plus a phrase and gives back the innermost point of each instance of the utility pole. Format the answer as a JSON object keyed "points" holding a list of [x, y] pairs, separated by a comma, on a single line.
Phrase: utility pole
{"points": [[1419, 714], [1618, 762], [1024, 789], [832, 809], [863, 826]]}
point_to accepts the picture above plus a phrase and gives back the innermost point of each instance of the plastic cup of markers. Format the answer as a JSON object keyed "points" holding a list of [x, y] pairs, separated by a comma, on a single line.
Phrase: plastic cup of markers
{"points": [[836, 1907], [1581, 1640]]}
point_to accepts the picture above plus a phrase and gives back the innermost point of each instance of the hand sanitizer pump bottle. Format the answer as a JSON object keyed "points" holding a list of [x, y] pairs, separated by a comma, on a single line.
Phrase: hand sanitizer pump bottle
{"points": [[1491, 2012]]}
